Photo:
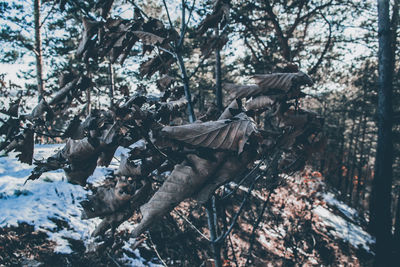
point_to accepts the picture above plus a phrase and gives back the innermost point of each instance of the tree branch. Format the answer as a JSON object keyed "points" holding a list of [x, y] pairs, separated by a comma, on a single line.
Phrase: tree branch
{"points": [[328, 43]]}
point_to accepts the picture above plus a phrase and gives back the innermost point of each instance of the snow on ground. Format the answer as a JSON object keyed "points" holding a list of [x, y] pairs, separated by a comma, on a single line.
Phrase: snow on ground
{"points": [[346, 210], [343, 228], [44, 202], [50, 203]]}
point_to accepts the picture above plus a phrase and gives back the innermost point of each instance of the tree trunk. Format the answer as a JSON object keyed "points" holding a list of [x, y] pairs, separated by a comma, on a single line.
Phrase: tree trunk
{"points": [[212, 226], [361, 177], [347, 178], [112, 84], [353, 163], [218, 76], [341, 150], [397, 222], [88, 97], [381, 222], [38, 50], [185, 80]]}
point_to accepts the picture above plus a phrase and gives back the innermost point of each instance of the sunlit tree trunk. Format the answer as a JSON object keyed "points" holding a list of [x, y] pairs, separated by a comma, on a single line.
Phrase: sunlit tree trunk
{"points": [[38, 49]]}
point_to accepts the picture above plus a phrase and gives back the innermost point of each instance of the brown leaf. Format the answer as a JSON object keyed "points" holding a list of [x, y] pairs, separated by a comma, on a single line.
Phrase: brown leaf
{"points": [[176, 104], [122, 214], [184, 180], [63, 92], [219, 14], [232, 168], [212, 43], [227, 114], [13, 109], [282, 83], [128, 168], [82, 158], [260, 103], [237, 91], [73, 129], [159, 63], [165, 82], [222, 134], [24, 144], [149, 38], [108, 199], [39, 110], [90, 28]]}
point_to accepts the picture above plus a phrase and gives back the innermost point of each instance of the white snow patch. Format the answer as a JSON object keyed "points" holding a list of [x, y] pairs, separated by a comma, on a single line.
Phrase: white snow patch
{"points": [[43, 202], [346, 210], [346, 230], [51, 199], [139, 261]]}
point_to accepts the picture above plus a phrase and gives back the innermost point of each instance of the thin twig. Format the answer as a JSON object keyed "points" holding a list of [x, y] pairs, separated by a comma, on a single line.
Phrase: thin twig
{"points": [[138, 8], [200, 64], [191, 225], [233, 251], [48, 14], [233, 223], [169, 17], [183, 26], [155, 250], [255, 226], [191, 11], [115, 262], [244, 179]]}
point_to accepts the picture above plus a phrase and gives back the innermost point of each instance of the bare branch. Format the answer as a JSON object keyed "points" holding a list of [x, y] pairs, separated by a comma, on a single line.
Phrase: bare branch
{"points": [[328, 43]]}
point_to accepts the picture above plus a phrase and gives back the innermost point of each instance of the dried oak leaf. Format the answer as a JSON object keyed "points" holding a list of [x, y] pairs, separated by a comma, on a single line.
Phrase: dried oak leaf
{"points": [[82, 158], [231, 134], [219, 14], [149, 38], [39, 110], [74, 129], [24, 144], [108, 199], [159, 63], [185, 179], [165, 82], [128, 168], [212, 43], [64, 91], [237, 91], [276, 85], [10, 129], [282, 83], [13, 109], [232, 168], [90, 29], [259, 103], [54, 162]]}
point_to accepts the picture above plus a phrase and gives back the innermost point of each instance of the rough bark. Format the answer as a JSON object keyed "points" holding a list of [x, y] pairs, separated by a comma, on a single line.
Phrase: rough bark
{"points": [[38, 49], [218, 76], [381, 223]]}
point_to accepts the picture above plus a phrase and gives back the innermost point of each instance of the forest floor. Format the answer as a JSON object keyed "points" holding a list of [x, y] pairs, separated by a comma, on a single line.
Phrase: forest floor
{"points": [[303, 224]]}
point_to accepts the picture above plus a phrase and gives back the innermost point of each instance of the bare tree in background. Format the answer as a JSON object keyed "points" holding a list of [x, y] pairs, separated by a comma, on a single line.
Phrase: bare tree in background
{"points": [[38, 49]]}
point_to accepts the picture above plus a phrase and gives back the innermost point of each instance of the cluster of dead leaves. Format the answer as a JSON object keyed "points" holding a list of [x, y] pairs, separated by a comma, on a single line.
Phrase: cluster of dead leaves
{"points": [[200, 157], [115, 38]]}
